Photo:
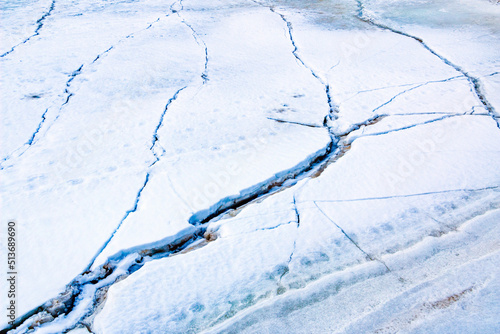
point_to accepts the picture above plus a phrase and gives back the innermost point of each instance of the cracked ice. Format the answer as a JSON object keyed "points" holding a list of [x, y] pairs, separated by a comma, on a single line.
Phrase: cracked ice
{"points": [[240, 166]]}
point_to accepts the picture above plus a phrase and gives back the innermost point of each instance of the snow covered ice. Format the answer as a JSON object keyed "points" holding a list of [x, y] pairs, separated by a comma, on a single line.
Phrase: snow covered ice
{"points": [[238, 166]]}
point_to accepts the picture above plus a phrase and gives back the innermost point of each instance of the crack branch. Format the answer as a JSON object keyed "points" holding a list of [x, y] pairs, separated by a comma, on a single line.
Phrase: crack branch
{"points": [[408, 195], [413, 88], [370, 257], [127, 213], [155, 139], [39, 23]]}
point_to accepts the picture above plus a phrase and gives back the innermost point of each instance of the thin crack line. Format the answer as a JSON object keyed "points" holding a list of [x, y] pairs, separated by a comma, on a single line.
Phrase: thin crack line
{"points": [[297, 216], [37, 31], [296, 123], [413, 88], [155, 138], [177, 193], [127, 213], [406, 127], [30, 141], [404, 196], [270, 228], [34, 137], [197, 38]]}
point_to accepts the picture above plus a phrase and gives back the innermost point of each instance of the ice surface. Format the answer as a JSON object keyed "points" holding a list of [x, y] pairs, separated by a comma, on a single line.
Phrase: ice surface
{"points": [[451, 289], [125, 124], [341, 223]]}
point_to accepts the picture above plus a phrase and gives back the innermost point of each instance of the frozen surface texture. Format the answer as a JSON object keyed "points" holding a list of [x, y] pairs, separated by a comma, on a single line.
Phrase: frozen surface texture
{"points": [[238, 166]]}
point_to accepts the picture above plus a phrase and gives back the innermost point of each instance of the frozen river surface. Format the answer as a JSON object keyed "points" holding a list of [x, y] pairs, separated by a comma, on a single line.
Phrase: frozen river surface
{"points": [[238, 166]]}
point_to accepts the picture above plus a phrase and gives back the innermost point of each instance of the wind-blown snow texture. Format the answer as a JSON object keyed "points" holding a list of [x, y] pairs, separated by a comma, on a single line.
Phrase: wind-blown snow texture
{"points": [[240, 166]]}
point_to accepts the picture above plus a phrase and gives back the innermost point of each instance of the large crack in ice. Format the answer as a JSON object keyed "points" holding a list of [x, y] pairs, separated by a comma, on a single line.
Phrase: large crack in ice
{"points": [[475, 82], [291, 176], [39, 23], [71, 298], [83, 296]]}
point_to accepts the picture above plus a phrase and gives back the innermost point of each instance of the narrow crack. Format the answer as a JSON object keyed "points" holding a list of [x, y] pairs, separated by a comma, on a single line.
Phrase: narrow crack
{"points": [[30, 141], [297, 123], [196, 36], [39, 23], [413, 88], [407, 195], [295, 208], [201, 42], [155, 139], [35, 136], [270, 228], [175, 191], [127, 213], [297, 217], [184, 241], [368, 256], [475, 82], [101, 54], [490, 75], [406, 127], [382, 88]]}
